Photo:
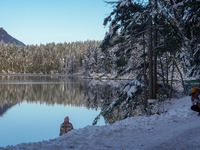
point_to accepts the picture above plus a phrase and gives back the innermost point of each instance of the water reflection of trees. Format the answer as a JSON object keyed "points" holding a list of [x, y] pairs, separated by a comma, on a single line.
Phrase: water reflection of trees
{"points": [[70, 90], [100, 94], [56, 91], [48, 93]]}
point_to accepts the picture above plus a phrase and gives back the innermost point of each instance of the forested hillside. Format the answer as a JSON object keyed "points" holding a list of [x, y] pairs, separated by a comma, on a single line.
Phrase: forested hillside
{"points": [[44, 59]]}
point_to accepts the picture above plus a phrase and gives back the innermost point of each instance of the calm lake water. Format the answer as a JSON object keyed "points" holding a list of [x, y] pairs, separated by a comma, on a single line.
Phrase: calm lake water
{"points": [[32, 107]]}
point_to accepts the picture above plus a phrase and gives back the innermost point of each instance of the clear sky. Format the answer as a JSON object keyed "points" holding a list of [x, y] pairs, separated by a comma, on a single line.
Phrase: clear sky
{"points": [[46, 21]]}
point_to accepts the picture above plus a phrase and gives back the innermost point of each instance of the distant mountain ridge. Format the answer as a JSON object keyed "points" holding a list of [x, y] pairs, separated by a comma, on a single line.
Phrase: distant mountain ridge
{"points": [[8, 38]]}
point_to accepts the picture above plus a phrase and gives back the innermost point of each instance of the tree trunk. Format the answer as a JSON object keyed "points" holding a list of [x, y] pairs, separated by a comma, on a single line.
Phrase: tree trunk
{"points": [[162, 70], [145, 77], [181, 78], [155, 57], [170, 94], [150, 56], [167, 70]]}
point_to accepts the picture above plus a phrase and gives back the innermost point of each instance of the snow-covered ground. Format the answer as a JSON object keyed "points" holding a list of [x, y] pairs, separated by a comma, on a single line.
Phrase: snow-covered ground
{"points": [[178, 128]]}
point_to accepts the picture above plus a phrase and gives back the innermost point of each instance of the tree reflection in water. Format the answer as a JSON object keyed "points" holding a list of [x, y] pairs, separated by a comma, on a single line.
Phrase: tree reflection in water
{"points": [[98, 94], [43, 90], [64, 90]]}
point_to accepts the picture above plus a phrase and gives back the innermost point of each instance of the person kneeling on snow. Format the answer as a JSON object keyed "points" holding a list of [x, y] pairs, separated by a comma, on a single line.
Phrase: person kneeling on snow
{"points": [[195, 97], [66, 126]]}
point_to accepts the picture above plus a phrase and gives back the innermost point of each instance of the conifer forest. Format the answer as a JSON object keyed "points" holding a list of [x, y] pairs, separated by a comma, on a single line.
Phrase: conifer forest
{"points": [[63, 58]]}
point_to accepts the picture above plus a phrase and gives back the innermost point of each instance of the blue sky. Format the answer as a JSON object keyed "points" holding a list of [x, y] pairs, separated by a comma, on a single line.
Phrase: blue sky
{"points": [[46, 21]]}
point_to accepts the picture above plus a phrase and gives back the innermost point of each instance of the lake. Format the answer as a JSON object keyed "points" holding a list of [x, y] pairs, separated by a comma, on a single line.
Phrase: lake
{"points": [[32, 107]]}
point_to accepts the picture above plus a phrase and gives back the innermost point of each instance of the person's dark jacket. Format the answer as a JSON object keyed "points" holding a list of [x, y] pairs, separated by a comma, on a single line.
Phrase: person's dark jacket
{"points": [[196, 98]]}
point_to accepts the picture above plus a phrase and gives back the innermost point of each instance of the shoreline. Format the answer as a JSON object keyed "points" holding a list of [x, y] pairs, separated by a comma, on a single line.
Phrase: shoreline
{"points": [[77, 74]]}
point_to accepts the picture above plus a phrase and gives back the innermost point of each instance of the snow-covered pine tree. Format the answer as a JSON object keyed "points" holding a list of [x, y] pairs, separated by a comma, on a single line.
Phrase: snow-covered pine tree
{"points": [[128, 22], [131, 19], [101, 62], [85, 62], [90, 61], [125, 28], [192, 27], [93, 60]]}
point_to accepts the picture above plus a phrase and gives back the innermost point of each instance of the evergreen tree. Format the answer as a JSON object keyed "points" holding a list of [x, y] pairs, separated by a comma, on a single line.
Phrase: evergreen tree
{"points": [[86, 61], [126, 19], [192, 31], [166, 37]]}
